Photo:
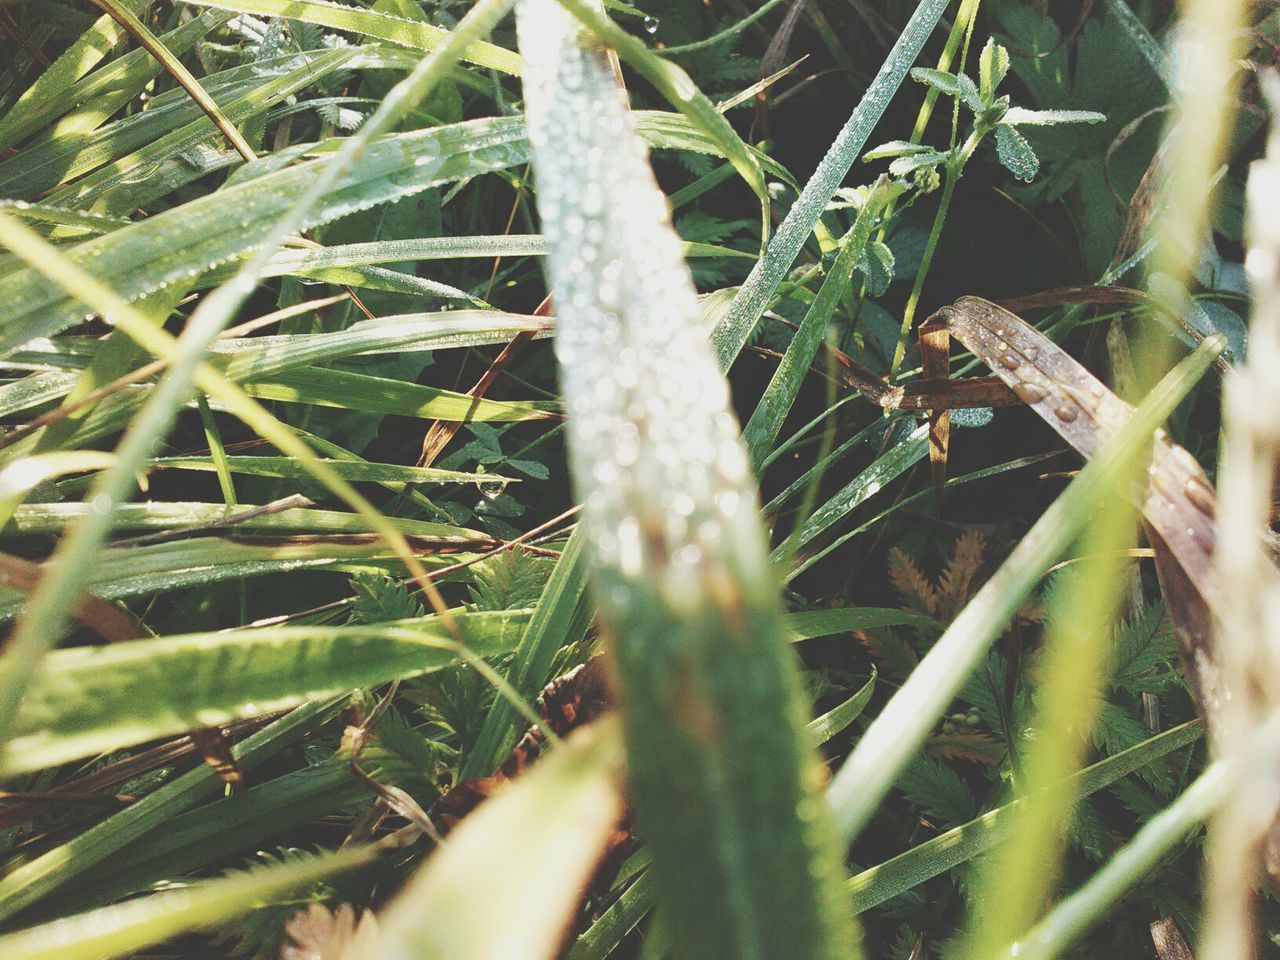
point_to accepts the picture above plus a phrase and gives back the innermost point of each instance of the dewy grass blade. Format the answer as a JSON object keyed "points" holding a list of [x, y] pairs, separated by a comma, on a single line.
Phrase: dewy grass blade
{"points": [[732, 332], [762, 429], [88, 700], [864, 779], [370, 23], [722, 772]]}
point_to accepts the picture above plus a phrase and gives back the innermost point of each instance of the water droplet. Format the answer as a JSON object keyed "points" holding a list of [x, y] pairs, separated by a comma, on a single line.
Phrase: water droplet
{"points": [[1200, 495], [650, 25], [1009, 361], [492, 489], [1029, 392], [1066, 412]]}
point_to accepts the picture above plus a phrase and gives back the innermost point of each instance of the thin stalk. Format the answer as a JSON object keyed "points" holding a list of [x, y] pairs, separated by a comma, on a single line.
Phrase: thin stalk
{"points": [[954, 170]]}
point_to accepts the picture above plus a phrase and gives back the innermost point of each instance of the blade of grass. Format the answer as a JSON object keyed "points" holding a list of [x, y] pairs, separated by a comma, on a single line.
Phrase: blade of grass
{"points": [[721, 771], [414, 34], [771, 269], [533, 878], [681, 92], [124, 16], [88, 700], [862, 782]]}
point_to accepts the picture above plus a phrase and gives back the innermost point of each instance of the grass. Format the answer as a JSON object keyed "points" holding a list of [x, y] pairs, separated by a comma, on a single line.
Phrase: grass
{"points": [[292, 560]]}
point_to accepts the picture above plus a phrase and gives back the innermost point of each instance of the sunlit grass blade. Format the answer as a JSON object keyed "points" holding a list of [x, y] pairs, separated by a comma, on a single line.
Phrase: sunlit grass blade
{"points": [[414, 34], [88, 700], [123, 929], [531, 879], [722, 774]]}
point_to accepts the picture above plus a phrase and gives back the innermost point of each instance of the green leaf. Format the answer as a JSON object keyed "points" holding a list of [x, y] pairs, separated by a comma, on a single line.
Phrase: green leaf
{"points": [[87, 700], [940, 80], [993, 64], [1015, 153], [1018, 116]]}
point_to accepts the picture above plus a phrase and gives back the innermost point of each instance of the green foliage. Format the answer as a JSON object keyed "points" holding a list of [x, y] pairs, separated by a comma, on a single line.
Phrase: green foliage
{"points": [[215, 596]]}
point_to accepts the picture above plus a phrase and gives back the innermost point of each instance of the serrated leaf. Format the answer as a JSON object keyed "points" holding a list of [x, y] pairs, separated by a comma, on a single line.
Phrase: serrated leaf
{"points": [[969, 93], [1015, 153], [937, 790], [905, 166]]}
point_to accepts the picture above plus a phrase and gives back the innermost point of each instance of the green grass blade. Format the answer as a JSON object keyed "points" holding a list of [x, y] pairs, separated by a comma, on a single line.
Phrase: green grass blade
{"points": [[875, 885], [88, 700], [413, 34], [181, 564], [358, 391], [35, 519], [681, 92], [762, 429], [1067, 922], [91, 101], [166, 248], [123, 929], [794, 231], [77, 60], [721, 770], [552, 627]]}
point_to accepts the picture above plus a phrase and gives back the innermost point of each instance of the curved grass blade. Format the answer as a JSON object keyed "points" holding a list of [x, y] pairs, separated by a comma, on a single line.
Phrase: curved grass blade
{"points": [[87, 700], [166, 248], [722, 775], [125, 928], [532, 878], [880, 883], [875, 885]]}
